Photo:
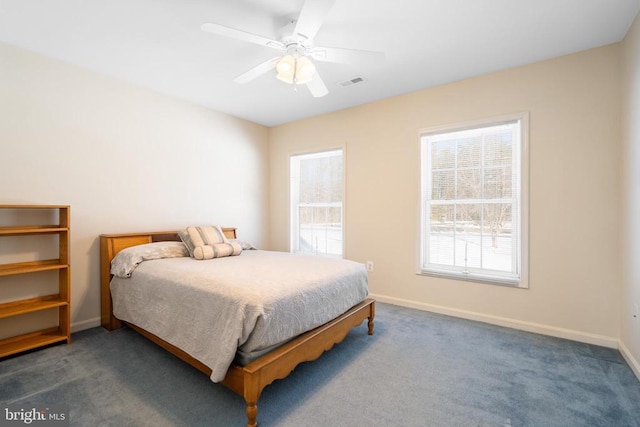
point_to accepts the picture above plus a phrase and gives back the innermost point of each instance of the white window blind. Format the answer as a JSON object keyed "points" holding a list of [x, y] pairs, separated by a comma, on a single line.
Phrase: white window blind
{"points": [[316, 203], [472, 211]]}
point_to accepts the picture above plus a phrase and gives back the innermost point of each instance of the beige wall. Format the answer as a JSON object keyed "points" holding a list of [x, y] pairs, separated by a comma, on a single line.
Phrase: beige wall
{"points": [[630, 334], [574, 104], [125, 159]]}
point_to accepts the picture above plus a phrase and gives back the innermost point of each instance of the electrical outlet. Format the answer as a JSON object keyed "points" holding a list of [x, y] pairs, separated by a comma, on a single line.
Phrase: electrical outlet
{"points": [[369, 265]]}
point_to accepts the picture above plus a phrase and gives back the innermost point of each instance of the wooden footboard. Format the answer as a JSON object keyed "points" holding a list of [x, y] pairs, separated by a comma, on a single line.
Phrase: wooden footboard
{"points": [[248, 381]]}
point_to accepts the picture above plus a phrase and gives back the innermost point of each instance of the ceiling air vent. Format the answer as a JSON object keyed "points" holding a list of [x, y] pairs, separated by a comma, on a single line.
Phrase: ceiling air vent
{"points": [[351, 82]]}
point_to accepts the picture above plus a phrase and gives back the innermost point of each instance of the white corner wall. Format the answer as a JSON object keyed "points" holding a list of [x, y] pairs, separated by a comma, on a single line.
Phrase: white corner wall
{"points": [[630, 160], [574, 104], [125, 158]]}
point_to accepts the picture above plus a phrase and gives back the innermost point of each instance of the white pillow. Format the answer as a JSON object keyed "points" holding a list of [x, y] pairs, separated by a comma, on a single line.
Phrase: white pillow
{"points": [[125, 261]]}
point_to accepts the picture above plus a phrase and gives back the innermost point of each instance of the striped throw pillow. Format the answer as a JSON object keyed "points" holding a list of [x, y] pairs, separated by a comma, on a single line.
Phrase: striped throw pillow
{"points": [[207, 242], [217, 250]]}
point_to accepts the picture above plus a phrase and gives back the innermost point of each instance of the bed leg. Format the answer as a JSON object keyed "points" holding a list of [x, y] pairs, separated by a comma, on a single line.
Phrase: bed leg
{"points": [[252, 414], [372, 314]]}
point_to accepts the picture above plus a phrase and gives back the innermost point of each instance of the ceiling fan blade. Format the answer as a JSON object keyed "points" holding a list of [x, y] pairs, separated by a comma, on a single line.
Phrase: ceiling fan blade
{"points": [[346, 56], [311, 17], [257, 70], [241, 35], [317, 87]]}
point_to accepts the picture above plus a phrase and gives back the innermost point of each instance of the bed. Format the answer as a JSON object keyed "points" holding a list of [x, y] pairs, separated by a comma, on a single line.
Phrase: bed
{"points": [[246, 376]]}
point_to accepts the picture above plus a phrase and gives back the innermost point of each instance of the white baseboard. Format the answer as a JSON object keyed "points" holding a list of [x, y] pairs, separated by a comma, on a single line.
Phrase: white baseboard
{"points": [[85, 324], [506, 322], [631, 361]]}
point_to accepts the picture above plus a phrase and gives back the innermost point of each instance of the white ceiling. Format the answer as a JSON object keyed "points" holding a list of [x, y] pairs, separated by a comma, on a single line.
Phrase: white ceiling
{"points": [[158, 44]]}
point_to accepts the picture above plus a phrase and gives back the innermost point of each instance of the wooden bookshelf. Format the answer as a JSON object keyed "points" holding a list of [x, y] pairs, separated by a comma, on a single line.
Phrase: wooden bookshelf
{"points": [[10, 311]]}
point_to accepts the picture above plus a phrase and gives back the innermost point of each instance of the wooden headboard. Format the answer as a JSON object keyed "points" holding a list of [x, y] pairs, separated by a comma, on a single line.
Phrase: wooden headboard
{"points": [[110, 245]]}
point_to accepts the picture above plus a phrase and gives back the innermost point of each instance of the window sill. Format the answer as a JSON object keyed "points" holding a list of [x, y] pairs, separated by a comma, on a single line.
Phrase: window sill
{"points": [[511, 283]]}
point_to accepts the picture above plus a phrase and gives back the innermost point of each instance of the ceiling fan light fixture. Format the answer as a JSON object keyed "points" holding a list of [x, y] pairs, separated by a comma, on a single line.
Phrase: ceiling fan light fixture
{"points": [[285, 78], [286, 65], [286, 68], [304, 70], [295, 70]]}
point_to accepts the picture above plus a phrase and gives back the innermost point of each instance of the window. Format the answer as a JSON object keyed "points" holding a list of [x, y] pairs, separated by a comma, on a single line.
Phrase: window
{"points": [[316, 198], [473, 201]]}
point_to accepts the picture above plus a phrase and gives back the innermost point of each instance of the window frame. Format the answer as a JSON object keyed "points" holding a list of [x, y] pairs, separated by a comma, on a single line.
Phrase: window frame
{"points": [[292, 213], [477, 275]]}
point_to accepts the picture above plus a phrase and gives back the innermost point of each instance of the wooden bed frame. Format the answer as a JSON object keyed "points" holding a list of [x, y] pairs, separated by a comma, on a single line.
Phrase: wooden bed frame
{"points": [[248, 381]]}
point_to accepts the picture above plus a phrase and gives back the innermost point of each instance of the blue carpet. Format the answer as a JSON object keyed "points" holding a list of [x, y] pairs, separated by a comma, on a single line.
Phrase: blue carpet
{"points": [[418, 369]]}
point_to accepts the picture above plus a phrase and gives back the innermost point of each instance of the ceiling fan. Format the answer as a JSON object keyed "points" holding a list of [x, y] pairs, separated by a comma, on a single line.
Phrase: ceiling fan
{"points": [[293, 64]]}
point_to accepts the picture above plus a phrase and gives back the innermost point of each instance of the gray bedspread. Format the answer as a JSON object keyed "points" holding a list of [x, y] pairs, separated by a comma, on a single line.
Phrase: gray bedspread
{"points": [[250, 302]]}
